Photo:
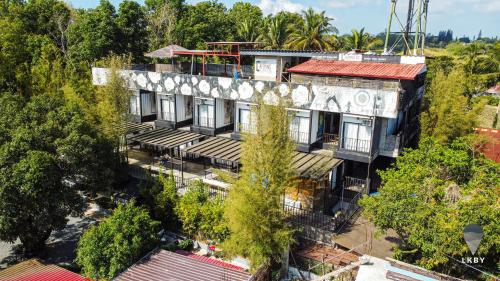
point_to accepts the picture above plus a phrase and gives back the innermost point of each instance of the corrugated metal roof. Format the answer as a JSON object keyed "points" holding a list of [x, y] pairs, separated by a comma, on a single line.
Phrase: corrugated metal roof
{"points": [[209, 260], [360, 69], [165, 52], [35, 270], [285, 53], [165, 265], [308, 165]]}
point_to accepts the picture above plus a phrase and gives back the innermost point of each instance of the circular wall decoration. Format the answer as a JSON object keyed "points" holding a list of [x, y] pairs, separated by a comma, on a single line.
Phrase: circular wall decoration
{"points": [[362, 98]]}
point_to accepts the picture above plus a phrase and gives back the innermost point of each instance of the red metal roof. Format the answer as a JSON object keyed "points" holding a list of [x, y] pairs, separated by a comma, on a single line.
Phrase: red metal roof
{"points": [[165, 265], [35, 270], [360, 69], [491, 149], [209, 260]]}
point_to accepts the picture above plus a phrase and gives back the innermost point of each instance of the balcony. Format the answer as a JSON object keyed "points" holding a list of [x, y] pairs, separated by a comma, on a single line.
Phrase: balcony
{"points": [[330, 141], [356, 150], [299, 137], [167, 116], [246, 128]]}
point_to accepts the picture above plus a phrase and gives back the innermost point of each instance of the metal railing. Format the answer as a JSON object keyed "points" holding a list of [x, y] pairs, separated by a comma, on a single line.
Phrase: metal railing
{"points": [[247, 128], [299, 137], [206, 122], [168, 116], [355, 182], [356, 145], [302, 217]]}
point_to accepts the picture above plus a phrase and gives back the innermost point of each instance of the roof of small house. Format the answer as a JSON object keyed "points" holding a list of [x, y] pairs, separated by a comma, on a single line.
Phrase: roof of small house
{"points": [[36, 270], [165, 265], [165, 52], [360, 69]]}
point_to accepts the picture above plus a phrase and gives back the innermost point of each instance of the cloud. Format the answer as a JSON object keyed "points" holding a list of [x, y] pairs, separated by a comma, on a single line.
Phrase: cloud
{"points": [[276, 6], [341, 4]]}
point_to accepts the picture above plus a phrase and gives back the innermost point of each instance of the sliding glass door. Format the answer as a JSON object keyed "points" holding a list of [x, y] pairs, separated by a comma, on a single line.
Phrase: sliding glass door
{"points": [[356, 137], [167, 105], [206, 115]]}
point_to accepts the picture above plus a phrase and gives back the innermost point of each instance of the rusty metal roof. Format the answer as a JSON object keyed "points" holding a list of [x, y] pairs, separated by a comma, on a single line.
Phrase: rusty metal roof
{"points": [[165, 265], [35, 270], [360, 69]]}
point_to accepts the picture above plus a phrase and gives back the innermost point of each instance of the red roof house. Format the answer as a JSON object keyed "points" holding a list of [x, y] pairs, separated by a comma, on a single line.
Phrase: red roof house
{"points": [[165, 265], [35, 270], [360, 69]]}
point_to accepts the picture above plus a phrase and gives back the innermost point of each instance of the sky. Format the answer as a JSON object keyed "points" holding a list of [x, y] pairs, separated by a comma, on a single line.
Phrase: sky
{"points": [[464, 17]]}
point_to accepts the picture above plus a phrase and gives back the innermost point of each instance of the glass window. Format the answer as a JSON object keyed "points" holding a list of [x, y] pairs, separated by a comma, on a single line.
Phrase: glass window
{"points": [[134, 105], [356, 137], [206, 115], [167, 109], [246, 121], [299, 129]]}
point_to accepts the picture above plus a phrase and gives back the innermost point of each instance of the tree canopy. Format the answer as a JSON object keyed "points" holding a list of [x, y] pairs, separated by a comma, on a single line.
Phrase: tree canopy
{"points": [[117, 242], [430, 195], [254, 207]]}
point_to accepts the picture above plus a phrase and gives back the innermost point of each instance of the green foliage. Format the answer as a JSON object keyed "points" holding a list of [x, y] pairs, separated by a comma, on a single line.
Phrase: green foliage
{"points": [[430, 195], [206, 21], [160, 196], [186, 245], [49, 140], [274, 32], [200, 214], [116, 243], [254, 210], [311, 33], [360, 40], [248, 20], [132, 23], [446, 112]]}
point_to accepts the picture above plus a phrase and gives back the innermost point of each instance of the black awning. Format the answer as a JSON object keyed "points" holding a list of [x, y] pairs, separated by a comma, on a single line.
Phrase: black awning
{"points": [[308, 165], [167, 138], [134, 128]]}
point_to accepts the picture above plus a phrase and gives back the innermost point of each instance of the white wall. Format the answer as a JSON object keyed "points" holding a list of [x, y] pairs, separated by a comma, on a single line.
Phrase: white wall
{"points": [[314, 125], [266, 68]]}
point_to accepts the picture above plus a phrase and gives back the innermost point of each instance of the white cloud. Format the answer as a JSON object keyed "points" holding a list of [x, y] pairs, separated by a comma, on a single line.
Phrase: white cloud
{"points": [[340, 4], [276, 6]]}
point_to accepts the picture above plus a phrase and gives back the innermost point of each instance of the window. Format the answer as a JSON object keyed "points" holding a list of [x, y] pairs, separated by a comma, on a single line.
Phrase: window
{"points": [[299, 129], [246, 121], [205, 113], [356, 137], [134, 105], [167, 106]]}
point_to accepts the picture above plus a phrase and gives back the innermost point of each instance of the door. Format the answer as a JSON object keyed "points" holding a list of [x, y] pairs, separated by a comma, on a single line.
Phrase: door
{"points": [[167, 109], [356, 137]]}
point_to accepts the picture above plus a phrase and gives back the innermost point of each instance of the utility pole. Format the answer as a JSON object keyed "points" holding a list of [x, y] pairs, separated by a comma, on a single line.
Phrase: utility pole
{"points": [[415, 26]]}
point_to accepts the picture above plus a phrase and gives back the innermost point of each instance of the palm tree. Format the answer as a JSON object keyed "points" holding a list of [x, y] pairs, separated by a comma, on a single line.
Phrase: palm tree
{"points": [[274, 33], [313, 33], [359, 40], [247, 30]]}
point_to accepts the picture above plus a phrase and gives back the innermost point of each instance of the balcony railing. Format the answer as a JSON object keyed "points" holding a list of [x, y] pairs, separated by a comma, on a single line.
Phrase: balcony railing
{"points": [[206, 122], [167, 116], [355, 184], [299, 137], [247, 128], [356, 145]]}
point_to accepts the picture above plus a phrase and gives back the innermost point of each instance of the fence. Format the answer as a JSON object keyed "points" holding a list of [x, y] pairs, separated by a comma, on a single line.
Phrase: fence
{"points": [[356, 145], [319, 220], [183, 185]]}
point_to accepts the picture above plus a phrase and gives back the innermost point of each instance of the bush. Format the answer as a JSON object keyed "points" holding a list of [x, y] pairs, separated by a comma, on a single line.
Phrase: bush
{"points": [[200, 214], [186, 245], [117, 242]]}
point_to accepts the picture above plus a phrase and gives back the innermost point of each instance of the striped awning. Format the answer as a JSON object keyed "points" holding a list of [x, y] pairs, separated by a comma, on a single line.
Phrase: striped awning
{"points": [[308, 165], [166, 138]]}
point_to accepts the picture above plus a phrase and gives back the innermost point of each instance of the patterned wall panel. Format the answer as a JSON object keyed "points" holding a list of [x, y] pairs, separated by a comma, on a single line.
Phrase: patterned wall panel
{"points": [[368, 102]]}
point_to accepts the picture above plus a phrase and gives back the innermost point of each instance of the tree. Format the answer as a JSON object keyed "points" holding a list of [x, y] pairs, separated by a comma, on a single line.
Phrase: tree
{"points": [[446, 114], [93, 35], [359, 40], [312, 32], [430, 195], [106, 249], [274, 32], [206, 21], [160, 196], [162, 23], [254, 206], [45, 146], [132, 23], [248, 20], [34, 201], [200, 214]]}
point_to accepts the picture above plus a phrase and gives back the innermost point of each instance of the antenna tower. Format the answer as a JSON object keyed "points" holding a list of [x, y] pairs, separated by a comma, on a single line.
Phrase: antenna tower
{"points": [[410, 33]]}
